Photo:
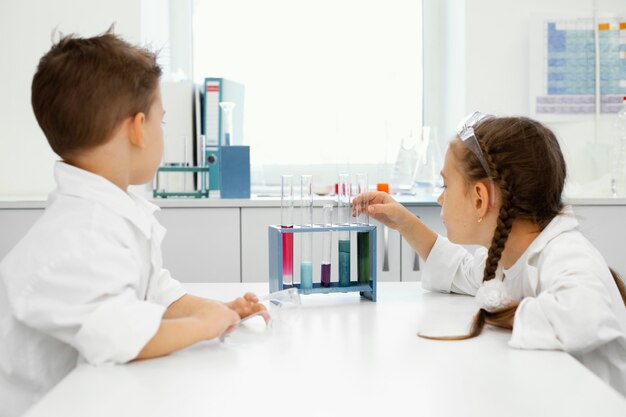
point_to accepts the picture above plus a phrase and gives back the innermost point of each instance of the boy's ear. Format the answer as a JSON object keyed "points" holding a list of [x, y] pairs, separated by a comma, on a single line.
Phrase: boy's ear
{"points": [[136, 135]]}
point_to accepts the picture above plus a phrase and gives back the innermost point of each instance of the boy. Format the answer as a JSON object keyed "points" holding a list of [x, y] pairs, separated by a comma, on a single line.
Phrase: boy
{"points": [[87, 282]]}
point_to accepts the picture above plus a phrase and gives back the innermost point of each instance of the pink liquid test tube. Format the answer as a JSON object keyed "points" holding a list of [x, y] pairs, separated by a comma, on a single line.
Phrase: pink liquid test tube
{"points": [[286, 221]]}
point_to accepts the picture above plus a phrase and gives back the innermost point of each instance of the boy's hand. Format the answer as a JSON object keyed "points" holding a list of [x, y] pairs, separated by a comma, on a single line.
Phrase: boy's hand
{"points": [[215, 318], [382, 207], [247, 305]]}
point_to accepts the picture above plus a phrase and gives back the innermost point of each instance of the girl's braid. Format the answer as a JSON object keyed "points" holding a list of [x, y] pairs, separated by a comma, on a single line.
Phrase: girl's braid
{"points": [[505, 218]]}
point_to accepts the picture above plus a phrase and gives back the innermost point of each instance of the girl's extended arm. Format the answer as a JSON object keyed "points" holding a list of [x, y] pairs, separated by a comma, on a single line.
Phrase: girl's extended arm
{"points": [[382, 207]]}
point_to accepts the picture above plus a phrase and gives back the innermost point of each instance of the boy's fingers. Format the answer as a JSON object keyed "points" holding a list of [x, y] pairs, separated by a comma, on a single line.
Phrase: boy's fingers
{"points": [[258, 307], [251, 297]]}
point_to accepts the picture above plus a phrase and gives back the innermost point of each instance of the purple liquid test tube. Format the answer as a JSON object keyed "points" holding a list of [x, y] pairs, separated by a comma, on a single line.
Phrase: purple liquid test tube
{"points": [[327, 246]]}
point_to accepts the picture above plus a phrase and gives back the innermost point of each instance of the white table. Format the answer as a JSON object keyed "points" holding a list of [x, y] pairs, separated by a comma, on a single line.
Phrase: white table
{"points": [[344, 356]]}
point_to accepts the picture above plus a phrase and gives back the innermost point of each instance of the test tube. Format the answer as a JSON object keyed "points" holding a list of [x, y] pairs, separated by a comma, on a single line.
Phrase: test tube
{"points": [[344, 236], [363, 238], [306, 253], [327, 246], [286, 221]]}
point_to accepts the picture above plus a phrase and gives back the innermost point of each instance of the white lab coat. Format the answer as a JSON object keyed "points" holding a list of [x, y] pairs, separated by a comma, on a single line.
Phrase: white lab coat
{"points": [[86, 283], [569, 299]]}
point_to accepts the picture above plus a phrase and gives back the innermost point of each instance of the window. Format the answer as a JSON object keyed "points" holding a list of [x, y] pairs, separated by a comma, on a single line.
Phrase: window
{"points": [[330, 85]]}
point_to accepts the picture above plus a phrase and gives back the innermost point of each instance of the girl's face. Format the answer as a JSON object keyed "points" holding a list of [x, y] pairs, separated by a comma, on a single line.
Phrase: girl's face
{"points": [[457, 206]]}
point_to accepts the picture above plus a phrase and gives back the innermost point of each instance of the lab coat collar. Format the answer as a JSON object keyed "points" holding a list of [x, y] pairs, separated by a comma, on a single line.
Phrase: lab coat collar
{"points": [[84, 184], [564, 222], [561, 223]]}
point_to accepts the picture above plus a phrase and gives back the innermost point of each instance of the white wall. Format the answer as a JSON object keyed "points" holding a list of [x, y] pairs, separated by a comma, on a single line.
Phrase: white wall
{"points": [[476, 57], [26, 27], [444, 65], [497, 80]]}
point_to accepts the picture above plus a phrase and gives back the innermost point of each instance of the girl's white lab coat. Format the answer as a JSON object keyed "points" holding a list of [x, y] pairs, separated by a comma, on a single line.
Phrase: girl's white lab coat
{"points": [[569, 299], [85, 283]]}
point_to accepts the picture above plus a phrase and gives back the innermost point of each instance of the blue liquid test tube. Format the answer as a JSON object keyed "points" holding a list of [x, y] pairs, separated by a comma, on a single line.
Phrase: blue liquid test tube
{"points": [[286, 221], [327, 247], [344, 237], [306, 244]]}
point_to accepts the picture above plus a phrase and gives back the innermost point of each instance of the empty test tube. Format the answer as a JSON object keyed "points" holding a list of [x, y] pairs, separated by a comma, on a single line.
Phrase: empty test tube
{"points": [[344, 236], [286, 221], [327, 246], [306, 253]]}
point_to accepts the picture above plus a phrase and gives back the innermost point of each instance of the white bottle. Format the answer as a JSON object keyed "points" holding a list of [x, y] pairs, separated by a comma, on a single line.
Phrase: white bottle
{"points": [[404, 166], [426, 177], [618, 182]]}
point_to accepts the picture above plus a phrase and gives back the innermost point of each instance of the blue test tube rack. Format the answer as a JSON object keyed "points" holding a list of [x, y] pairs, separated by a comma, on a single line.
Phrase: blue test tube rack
{"points": [[275, 245]]}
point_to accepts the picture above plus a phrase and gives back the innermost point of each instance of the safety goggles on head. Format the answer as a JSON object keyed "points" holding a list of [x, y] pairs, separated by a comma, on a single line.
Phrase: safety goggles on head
{"points": [[467, 135]]}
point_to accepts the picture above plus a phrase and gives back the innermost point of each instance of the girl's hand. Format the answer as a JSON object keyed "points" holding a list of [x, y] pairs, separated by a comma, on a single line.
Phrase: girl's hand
{"points": [[382, 207], [247, 305]]}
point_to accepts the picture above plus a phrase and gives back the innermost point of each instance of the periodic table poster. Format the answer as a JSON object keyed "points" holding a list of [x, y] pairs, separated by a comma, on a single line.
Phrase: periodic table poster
{"points": [[564, 65]]}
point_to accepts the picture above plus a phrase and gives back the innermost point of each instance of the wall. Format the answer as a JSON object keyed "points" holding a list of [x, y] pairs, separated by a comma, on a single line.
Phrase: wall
{"points": [[444, 65], [497, 80], [26, 28], [476, 57]]}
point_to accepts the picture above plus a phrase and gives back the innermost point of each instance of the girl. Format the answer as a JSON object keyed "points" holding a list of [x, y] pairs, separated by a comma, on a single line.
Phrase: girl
{"points": [[540, 277]]}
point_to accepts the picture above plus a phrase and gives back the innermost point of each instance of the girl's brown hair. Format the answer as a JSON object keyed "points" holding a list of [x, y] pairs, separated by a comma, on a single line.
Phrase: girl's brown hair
{"points": [[84, 88], [528, 169]]}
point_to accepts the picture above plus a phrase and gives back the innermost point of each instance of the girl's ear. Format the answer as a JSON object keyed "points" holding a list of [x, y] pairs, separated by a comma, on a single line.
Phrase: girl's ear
{"points": [[136, 135], [480, 197]]}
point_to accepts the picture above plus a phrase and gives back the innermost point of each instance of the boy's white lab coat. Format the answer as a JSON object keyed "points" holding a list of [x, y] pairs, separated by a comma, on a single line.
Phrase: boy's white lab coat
{"points": [[569, 299], [85, 283]]}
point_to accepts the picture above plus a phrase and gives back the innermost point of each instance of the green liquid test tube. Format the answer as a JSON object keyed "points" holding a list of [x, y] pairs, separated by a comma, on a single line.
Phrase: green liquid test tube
{"points": [[363, 238], [344, 236]]}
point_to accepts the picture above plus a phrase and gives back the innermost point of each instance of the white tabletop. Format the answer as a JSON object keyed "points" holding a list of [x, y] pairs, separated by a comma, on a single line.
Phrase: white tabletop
{"points": [[347, 356]]}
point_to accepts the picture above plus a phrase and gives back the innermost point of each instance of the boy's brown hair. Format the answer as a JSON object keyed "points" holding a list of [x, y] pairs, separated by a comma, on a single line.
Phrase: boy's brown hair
{"points": [[84, 88]]}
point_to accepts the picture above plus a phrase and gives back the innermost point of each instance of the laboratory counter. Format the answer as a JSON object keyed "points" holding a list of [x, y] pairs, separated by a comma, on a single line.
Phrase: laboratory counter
{"points": [[242, 227], [343, 355], [39, 202]]}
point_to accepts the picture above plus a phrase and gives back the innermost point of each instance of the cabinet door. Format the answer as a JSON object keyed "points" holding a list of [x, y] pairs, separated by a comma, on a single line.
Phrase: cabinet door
{"points": [[14, 223], [411, 262], [202, 244], [388, 253], [254, 248], [605, 227]]}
